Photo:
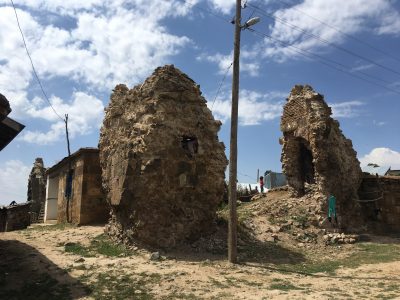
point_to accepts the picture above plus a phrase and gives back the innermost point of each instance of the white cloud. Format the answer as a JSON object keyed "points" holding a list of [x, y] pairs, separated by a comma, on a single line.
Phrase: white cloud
{"points": [[109, 42], [346, 109], [349, 17], [379, 123], [13, 181], [225, 6], [224, 61], [254, 107], [85, 113], [384, 157]]}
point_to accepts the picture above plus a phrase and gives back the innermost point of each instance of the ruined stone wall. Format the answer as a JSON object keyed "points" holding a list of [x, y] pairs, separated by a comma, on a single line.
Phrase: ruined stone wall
{"points": [[15, 217], [37, 186], [94, 208], [163, 166], [380, 203], [316, 152]]}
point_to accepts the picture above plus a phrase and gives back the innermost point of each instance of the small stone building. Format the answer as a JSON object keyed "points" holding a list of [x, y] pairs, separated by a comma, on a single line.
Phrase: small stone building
{"points": [[37, 189], [163, 166], [315, 151], [73, 192], [14, 217]]}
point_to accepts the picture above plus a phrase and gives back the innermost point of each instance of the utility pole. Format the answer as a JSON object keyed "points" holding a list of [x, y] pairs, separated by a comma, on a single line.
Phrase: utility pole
{"points": [[232, 227]]}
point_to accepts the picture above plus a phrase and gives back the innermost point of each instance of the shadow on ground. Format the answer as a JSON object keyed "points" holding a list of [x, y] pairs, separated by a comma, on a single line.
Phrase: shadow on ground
{"points": [[27, 274]]}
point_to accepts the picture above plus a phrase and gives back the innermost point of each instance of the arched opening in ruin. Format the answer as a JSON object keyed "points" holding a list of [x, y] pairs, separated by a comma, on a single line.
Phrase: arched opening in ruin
{"points": [[306, 166], [190, 145]]}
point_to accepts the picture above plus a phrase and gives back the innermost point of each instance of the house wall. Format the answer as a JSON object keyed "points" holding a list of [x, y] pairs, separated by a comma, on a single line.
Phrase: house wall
{"points": [[94, 208], [69, 210], [87, 203]]}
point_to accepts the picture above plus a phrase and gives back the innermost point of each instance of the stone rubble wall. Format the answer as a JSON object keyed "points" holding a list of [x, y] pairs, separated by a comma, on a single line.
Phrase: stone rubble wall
{"points": [[380, 204], [163, 188], [316, 151], [14, 217]]}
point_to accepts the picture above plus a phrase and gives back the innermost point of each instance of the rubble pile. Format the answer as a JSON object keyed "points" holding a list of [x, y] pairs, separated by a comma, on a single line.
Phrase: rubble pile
{"points": [[163, 167], [315, 151], [340, 238]]}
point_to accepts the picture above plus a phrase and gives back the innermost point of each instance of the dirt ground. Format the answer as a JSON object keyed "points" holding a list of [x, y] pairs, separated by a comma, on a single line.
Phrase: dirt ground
{"points": [[24, 256], [35, 264]]}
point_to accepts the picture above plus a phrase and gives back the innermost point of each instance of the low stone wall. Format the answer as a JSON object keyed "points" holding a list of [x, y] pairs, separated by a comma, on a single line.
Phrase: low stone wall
{"points": [[380, 203], [14, 217]]}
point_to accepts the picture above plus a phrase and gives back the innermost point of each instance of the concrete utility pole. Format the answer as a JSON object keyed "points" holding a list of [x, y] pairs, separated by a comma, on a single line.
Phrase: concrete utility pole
{"points": [[232, 229]]}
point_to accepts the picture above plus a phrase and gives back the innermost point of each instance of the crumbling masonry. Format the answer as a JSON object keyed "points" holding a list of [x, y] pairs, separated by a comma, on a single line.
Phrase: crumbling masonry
{"points": [[37, 188], [316, 152], [163, 166]]}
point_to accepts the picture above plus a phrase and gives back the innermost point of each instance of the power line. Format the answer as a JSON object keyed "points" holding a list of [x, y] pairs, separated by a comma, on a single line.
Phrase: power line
{"points": [[220, 85], [33, 67], [310, 55], [323, 60], [263, 12], [350, 36], [322, 40]]}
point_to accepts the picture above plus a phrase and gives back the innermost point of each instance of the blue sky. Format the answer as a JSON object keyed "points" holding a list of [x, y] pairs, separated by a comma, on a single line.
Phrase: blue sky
{"points": [[82, 49]]}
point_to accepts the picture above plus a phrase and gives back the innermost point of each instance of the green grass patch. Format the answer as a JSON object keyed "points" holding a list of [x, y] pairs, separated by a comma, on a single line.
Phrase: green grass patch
{"points": [[284, 286], [44, 228], [367, 253], [118, 287], [103, 245], [99, 245], [78, 249], [217, 284]]}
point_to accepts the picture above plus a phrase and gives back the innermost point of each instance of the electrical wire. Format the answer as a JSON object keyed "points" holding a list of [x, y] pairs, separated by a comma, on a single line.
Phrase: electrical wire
{"points": [[220, 85], [321, 60], [350, 36], [33, 67], [295, 27]]}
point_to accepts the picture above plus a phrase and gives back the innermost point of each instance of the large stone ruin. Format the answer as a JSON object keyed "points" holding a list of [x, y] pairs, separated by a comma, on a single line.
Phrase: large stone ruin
{"points": [[37, 188], [316, 152], [162, 164]]}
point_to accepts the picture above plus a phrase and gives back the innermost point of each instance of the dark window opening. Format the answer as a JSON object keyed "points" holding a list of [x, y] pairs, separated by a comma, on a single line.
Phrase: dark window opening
{"points": [[68, 183], [306, 164], [190, 145]]}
